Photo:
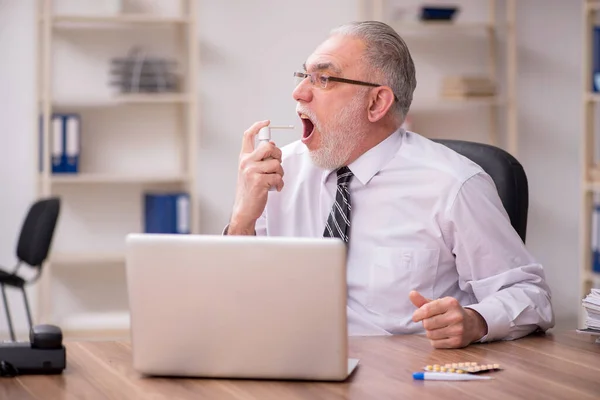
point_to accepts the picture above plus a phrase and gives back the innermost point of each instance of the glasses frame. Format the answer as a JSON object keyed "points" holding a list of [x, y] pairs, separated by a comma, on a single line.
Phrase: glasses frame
{"points": [[328, 78]]}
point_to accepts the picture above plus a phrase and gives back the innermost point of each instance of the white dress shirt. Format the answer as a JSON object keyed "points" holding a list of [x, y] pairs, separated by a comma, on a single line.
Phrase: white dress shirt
{"points": [[423, 218]]}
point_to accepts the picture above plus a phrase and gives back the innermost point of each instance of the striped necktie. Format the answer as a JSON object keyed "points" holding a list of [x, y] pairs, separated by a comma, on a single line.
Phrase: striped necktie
{"points": [[338, 222]]}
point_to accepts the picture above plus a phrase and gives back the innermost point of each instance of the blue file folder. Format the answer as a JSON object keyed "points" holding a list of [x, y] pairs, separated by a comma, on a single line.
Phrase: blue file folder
{"points": [[72, 140], [596, 238], [596, 59], [65, 138], [57, 143], [167, 213]]}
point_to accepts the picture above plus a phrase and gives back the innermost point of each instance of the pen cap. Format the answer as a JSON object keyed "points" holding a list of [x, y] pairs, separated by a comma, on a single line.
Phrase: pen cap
{"points": [[419, 376]]}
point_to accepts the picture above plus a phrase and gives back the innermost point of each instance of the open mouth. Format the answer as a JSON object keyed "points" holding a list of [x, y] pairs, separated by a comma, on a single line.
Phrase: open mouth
{"points": [[308, 126]]}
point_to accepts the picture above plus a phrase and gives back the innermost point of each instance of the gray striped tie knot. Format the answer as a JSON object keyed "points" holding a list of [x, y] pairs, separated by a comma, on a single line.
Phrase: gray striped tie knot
{"points": [[344, 175]]}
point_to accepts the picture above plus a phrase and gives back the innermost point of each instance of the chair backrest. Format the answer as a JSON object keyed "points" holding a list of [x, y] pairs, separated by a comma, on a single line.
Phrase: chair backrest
{"points": [[507, 173], [37, 231]]}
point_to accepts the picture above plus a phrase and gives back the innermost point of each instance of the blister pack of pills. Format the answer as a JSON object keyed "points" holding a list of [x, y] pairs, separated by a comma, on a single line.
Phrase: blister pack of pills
{"points": [[463, 367]]}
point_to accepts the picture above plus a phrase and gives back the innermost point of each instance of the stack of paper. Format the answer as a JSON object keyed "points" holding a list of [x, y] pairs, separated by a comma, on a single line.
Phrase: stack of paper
{"points": [[467, 86], [591, 304]]}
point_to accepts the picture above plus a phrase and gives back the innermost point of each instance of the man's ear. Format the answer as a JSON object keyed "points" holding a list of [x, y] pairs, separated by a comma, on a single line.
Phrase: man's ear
{"points": [[380, 101]]}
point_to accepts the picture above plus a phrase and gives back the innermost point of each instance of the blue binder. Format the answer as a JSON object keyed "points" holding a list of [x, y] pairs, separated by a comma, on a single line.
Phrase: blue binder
{"points": [[596, 239], [56, 144], [167, 213], [595, 59], [72, 142], [65, 137]]}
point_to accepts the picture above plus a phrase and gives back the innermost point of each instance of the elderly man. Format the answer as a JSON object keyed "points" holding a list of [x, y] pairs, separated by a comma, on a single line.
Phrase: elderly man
{"points": [[430, 246]]}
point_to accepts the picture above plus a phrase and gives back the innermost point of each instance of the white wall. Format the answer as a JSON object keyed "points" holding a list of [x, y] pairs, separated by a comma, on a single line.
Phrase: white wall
{"points": [[248, 53], [550, 126], [17, 123]]}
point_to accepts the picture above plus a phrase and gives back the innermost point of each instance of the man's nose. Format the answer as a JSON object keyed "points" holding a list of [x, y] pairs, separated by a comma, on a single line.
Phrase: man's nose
{"points": [[303, 92]]}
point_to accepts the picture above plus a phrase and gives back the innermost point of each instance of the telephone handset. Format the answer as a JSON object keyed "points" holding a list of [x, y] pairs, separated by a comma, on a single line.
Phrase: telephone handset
{"points": [[43, 354], [45, 337]]}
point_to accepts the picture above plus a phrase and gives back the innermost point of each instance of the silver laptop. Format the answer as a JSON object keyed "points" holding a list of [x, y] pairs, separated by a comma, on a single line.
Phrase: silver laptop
{"points": [[238, 307]]}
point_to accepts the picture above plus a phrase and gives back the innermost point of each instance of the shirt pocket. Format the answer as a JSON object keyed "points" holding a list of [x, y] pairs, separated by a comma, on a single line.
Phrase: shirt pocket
{"points": [[393, 273]]}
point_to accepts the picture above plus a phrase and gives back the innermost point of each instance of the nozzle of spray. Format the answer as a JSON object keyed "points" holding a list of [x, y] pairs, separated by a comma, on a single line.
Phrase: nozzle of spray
{"points": [[264, 135]]}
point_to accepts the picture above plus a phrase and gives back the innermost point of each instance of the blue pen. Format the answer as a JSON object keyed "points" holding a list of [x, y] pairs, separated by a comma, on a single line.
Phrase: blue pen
{"points": [[447, 376]]}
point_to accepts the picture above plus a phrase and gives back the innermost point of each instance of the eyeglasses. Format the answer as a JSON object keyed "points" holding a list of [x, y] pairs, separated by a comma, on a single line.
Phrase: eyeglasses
{"points": [[321, 80]]}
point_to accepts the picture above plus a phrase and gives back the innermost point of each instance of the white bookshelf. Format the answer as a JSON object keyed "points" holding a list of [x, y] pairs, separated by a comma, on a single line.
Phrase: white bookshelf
{"points": [[590, 169], [136, 142], [499, 63]]}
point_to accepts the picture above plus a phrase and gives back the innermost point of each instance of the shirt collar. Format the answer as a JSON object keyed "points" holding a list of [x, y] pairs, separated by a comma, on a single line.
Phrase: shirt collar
{"points": [[373, 160]]}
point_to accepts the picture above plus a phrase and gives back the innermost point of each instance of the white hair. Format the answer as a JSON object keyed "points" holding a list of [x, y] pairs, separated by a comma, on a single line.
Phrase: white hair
{"points": [[388, 58]]}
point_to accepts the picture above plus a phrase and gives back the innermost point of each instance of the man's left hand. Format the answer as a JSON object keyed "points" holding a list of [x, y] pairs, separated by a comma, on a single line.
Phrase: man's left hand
{"points": [[448, 324]]}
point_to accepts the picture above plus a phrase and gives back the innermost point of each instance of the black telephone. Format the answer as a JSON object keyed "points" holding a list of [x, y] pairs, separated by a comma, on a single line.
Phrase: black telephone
{"points": [[43, 354]]}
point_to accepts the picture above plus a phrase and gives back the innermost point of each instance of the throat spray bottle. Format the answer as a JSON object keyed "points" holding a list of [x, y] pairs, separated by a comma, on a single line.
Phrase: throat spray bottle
{"points": [[264, 136]]}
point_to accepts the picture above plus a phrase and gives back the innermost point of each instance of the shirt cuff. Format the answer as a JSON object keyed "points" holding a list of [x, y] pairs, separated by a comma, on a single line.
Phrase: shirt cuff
{"points": [[498, 324]]}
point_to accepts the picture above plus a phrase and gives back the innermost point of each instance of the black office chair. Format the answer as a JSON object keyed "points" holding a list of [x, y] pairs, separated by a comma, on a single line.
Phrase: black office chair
{"points": [[508, 175], [33, 247]]}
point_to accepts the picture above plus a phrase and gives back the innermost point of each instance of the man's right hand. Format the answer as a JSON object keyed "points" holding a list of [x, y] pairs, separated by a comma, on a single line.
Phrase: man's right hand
{"points": [[259, 169]]}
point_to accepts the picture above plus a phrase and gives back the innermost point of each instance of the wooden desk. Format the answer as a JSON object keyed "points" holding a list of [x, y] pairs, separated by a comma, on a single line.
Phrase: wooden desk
{"points": [[565, 366]]}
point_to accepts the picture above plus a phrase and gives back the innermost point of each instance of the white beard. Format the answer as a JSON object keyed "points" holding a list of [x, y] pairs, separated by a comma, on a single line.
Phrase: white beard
{"points": [[340, 136]]}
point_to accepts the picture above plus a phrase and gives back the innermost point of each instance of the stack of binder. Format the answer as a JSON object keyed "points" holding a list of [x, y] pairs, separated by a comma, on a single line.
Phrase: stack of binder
{"points": [[65, 143], [167, 213], [467, 86]]}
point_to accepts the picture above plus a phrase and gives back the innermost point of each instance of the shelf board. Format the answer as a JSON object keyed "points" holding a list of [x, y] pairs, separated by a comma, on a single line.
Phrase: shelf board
{"points": [[594, 175], [592, 277], [148, 98], [489, 100], [442, 26], [592, 5], [87, 258], [457, 101], [83, 178], [593, 97], [593, 187], [123, 99], [73, 21], [592, 184]]}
